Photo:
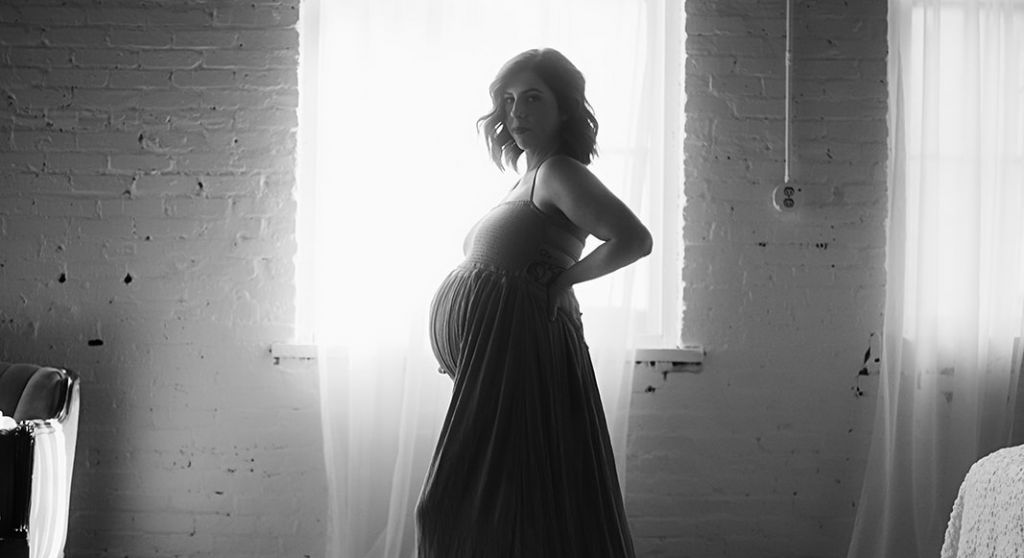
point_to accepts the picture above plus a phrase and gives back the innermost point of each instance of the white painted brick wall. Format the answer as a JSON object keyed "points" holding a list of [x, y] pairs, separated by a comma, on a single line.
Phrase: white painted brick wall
{"points": [[146, 236], [761, 452]]}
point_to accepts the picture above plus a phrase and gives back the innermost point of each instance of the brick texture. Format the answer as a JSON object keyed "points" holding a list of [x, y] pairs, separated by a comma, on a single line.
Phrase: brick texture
{"points": [[147, 157], [761, 451]]}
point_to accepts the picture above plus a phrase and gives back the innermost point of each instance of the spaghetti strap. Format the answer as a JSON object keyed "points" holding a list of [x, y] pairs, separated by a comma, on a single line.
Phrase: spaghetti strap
{"points": [[535, 173]]}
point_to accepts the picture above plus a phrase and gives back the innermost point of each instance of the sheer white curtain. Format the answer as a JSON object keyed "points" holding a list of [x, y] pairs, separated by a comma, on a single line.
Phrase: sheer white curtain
{"points": [[393, 174], [954, 259]]}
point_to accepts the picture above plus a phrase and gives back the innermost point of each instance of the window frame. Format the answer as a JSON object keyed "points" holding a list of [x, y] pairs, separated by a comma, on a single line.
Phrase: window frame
{"points": [[665, 281]]}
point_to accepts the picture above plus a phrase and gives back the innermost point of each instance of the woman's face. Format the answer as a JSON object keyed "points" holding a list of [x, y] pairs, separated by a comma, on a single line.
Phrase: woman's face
{"points": [[531, 113]]}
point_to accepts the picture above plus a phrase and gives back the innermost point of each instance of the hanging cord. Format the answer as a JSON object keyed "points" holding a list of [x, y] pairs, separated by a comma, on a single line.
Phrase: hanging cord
{"points": [[789, 62]]}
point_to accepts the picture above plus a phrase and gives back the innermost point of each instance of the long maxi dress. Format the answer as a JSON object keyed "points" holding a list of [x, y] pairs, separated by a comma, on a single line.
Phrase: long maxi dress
{"points": [[524, 465]]}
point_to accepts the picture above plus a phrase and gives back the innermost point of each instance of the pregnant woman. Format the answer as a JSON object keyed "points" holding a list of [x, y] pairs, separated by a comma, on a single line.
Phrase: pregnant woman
{"points": [[523, 467]]}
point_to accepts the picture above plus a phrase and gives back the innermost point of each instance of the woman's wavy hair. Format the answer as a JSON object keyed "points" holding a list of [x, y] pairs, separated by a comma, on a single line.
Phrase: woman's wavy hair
{"points": [[579, 129]]}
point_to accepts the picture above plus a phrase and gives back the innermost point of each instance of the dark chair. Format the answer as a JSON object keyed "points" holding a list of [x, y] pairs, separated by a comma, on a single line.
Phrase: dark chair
{"points": [[36, 458]]}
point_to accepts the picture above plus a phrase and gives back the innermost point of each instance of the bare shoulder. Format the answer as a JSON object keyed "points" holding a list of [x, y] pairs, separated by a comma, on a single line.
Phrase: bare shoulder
{"points": [[562, 177], [570, 186]]}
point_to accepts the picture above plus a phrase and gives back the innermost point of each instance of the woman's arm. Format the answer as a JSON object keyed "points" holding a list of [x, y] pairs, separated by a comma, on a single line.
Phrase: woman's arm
{"points": [[573, 189]]}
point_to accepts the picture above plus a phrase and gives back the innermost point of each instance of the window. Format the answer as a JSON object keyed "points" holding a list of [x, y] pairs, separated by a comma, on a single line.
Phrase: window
{"points": [[387, 143], [964, 141]]}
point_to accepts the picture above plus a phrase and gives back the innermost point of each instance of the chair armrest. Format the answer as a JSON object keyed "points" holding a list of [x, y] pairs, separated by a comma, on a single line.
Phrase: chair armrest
{"points": [[54, 443]]}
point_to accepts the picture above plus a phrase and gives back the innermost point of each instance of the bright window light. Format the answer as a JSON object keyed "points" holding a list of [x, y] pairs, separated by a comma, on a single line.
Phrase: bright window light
{"points": [[393, 173]]}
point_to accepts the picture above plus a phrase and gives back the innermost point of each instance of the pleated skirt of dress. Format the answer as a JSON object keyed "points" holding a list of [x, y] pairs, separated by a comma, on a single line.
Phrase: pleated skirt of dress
{"points": [[524, 465]]}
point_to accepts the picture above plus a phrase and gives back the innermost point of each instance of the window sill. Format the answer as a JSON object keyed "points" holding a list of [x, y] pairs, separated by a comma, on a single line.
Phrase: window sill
{"points": [[292, 351], [687, 354]]}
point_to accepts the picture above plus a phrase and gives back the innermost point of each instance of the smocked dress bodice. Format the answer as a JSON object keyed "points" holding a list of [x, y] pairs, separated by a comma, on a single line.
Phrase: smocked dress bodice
{"points": [[519, 237]]}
